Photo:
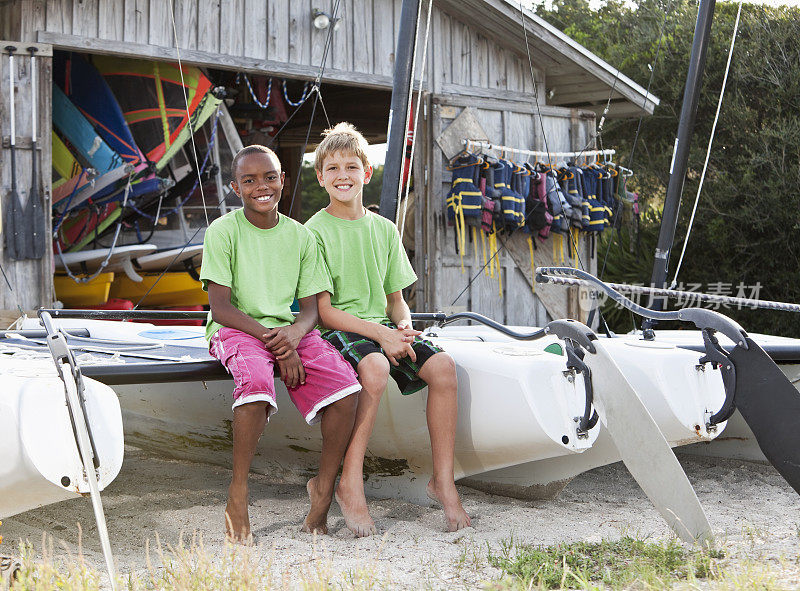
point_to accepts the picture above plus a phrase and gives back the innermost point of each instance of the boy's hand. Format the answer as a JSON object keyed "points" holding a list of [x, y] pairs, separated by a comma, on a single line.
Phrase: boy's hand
{"points": [[282, 341], [292, 371], [396, 344]]}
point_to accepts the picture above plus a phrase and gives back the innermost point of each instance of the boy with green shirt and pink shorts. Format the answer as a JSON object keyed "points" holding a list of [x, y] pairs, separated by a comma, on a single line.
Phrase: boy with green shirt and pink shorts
{"points": [[255, 263], [369, 323]]}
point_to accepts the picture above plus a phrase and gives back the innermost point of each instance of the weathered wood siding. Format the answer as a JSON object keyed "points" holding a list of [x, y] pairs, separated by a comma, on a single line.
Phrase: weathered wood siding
{"points": [[31, 280], [276, 36], [445, 286]]}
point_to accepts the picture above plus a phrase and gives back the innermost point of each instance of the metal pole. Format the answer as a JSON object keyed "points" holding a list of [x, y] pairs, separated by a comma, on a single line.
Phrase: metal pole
{"points": [[680, 154], [401, 95]]}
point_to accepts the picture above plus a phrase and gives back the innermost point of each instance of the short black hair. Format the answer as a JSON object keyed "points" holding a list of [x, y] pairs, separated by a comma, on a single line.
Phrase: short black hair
{"points": [[247, 150]]}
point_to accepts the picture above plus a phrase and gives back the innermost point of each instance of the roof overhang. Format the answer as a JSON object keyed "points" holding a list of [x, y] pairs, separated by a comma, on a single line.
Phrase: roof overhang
{"points": [[574, 76]]}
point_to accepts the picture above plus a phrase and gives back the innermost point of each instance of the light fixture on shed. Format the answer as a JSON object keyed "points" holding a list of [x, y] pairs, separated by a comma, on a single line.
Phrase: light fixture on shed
{"points": [[322, 20]]}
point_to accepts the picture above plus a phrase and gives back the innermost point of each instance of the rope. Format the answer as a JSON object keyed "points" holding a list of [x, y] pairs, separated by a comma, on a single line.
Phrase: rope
{"points": [[710, 143], [306, 90], [677, 294], [404, 198], [263, 105]]}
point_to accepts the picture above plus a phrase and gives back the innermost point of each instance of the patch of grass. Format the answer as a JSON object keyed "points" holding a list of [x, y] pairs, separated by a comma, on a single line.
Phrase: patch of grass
{"points": [[189, 566], [613, 564]]}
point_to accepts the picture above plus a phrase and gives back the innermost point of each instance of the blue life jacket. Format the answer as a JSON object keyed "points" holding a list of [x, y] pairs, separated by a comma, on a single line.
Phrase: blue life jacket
{"points": [[572, 183], [592, 178], [521, 185], [465, 199]]}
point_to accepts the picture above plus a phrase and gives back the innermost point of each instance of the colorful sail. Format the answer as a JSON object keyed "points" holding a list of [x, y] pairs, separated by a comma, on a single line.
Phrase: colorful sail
{"points": [[154, 97], [70, 123], [89, 92]]}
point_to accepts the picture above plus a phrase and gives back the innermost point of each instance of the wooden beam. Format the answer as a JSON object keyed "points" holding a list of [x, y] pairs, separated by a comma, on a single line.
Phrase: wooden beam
{"points": [[212, 60], [499, 103]]}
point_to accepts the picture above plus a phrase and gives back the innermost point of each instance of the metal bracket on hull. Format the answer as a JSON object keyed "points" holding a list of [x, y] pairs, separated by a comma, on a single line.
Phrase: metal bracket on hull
{"points": [[754, 384], [74, 392], [575, 363]]}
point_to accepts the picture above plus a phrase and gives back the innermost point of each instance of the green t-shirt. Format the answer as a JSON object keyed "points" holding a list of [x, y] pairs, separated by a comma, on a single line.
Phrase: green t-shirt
{"points": [[366, 262], [265, 269]]}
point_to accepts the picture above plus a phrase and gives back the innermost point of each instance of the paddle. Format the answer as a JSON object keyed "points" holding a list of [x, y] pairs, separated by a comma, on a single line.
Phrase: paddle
{"points": [[15, 239], [33, 214]]}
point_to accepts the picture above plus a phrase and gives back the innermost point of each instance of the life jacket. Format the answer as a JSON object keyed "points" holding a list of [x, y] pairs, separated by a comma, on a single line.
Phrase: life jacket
{"points": [[521, 185], [571, 181], [464, 201], [508, 199], [595, 220], [538, 218], [559, 206], [610, 179], [491, 211]]}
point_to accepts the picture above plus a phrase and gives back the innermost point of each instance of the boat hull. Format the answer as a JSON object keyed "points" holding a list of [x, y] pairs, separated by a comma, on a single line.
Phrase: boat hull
{"points": [[41, 464], [519, 391]]}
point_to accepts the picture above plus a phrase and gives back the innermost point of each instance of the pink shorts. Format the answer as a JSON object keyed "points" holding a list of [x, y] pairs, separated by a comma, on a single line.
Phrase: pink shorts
{"points": [[328, 376]]}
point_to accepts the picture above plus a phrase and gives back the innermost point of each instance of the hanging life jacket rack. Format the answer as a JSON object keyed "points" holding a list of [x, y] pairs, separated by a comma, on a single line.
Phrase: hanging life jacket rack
{"points": [[476, 144]]}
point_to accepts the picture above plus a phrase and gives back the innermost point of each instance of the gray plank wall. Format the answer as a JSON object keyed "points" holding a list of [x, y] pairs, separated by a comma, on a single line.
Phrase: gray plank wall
{"points": [[31, 281], [243, 33]]}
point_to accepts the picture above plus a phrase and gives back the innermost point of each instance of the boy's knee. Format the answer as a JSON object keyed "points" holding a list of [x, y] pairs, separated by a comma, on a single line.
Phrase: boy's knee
{"points": [[440, 370], [252, 409], [347, 404], [373, 372]]}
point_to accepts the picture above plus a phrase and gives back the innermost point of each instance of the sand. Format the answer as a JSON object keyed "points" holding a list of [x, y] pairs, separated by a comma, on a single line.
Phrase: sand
{"points": [[755, 514]]}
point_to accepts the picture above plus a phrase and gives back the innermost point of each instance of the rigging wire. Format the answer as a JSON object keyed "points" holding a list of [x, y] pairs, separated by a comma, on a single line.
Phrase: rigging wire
{"points": [[317, 100], [401, 217], [636, 139], [186, 101], [708, 150]]}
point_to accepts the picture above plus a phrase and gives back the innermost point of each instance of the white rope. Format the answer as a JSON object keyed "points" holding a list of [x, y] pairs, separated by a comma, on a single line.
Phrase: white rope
{"points": [[404, 201], [186, 102], [469, 144], [708, 151]]}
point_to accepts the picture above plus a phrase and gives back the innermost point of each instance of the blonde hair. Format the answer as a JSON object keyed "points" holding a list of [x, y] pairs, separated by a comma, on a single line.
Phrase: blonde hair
{"points": [[342, 137]]}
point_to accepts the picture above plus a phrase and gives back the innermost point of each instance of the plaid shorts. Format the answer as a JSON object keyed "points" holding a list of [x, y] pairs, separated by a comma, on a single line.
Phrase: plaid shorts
{"points": [[354, 347]]}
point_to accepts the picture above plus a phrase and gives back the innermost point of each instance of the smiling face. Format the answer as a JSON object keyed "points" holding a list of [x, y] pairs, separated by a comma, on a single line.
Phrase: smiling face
{"points": [[259, 183], [343, 176]]}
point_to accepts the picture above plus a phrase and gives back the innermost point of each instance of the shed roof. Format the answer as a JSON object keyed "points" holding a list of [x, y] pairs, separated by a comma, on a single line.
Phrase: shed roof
{"points": [[586, 80]]}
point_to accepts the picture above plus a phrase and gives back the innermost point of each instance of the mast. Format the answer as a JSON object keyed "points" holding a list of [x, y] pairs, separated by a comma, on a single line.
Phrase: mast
{"points": [[680, 154], [401, 95]]}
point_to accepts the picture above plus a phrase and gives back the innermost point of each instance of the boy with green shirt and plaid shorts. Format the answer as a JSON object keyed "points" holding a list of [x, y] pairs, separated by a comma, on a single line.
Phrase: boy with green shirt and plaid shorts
{"points": [[369, 323]]}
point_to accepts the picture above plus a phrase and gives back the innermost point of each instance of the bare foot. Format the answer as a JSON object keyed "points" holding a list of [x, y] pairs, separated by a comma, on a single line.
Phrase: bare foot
{"points": [[317, 519], [447, 496], [237, 521], [354, 508]]}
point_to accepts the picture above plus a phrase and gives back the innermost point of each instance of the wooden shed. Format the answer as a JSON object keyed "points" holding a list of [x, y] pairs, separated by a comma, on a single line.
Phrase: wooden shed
{"points": [[477, 60]]}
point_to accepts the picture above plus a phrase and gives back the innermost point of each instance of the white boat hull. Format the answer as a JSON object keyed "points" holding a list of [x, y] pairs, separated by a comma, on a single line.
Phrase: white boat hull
{"points": [[516, 431], [679, 395], [40, 461], [520, 392]]}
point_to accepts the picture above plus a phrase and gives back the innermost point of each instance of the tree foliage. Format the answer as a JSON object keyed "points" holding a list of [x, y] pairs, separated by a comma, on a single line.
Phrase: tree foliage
{"points": [[747, 228]]}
